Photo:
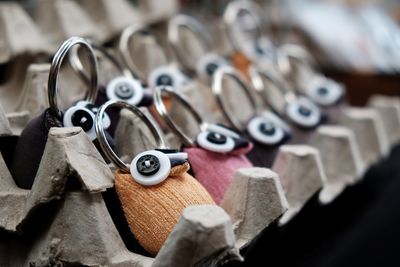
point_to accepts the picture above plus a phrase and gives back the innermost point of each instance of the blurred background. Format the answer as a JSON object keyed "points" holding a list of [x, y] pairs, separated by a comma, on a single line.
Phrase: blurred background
{"points": [[356, 42]]}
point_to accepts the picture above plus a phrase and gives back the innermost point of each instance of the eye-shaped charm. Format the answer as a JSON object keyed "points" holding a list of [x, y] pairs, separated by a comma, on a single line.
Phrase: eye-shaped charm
{"points": [[260, 48], [208, 64], [325, 92], [77, 116], [106, 119], [215, 141], [167, 76], [150, 167], [83, 114], [125, 89], [265, 131], [304, 112], [222, 130]]}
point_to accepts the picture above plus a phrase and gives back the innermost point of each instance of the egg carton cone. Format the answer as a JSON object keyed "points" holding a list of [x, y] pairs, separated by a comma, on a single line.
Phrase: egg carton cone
{"points": [[18, 34], [12, 88], [341, 159], [302, 175], [369, 131], [110, 17], [254, 200], [389, 109], [58, 20]]}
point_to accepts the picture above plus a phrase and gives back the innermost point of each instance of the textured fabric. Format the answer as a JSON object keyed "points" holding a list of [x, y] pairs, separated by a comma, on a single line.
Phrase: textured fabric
{"points": [[153, 211], [30, 147], [263, 155], [241, 63], [215, 171]]}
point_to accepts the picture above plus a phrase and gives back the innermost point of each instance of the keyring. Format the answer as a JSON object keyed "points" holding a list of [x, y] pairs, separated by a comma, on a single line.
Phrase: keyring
{"points": [[257, 80], [55, 69], [232, 12], [217, 88], [192, 25], [299, 109], [123, 46], [103, 140], [298, 53], [162, 111], [78, 67]]}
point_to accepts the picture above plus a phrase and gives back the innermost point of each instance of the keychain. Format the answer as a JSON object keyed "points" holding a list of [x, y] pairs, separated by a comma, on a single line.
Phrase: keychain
{"points": [[167, 74], [327, 93], [215, 154], [32, 142], [155, 188], [244, 29], [322, 90], [299, 112], [206, 63], [124, 87], [264, 127]]}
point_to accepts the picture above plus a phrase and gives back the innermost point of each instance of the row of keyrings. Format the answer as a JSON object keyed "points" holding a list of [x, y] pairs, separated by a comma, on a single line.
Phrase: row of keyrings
{"points": [[215, 154]]}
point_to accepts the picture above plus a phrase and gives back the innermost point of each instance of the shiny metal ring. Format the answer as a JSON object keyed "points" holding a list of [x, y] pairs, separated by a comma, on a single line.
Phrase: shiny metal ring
{"points": [[123, 46], [162, 111], [103, 140], [217, 89], [257, 76], [192, 25], [231, 14], [55, 69], [298, 53], [78, 67]]}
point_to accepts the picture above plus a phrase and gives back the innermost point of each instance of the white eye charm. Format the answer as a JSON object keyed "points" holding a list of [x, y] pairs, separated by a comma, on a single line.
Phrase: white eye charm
{"points": [[125, 89], [150, 167], [83, 115], [208, 64], [265, 131], [258, 49], [167, 76], [85, 104], [324, 91], [80, 117], [304, 112], [215, 141]]}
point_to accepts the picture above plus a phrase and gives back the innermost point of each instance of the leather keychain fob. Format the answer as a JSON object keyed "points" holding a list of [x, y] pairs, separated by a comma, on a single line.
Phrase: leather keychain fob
{"points": [[155, 188], [265, 128], [123, 87], [215, 154], [31, 144]]}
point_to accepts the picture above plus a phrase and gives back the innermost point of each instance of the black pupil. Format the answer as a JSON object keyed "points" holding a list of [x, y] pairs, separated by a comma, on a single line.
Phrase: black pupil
{"points": [[216, 138], [124, 91], [304, 111], [267, 128], [211, 68], [258, 48], [82, 118], [148, 165], [322, 91], [164, 80]]}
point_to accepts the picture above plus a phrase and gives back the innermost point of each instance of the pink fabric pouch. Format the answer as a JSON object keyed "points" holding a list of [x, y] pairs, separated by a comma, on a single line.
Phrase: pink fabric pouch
{"points": [[215, 170]]}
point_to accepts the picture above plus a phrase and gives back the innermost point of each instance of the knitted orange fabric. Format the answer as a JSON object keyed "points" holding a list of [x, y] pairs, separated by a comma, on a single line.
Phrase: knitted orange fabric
{"points": [[241, 63], [153, 211]]}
